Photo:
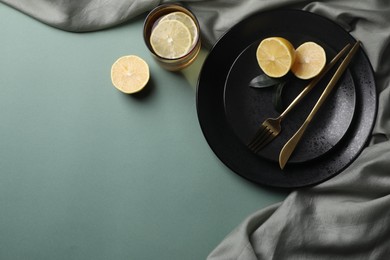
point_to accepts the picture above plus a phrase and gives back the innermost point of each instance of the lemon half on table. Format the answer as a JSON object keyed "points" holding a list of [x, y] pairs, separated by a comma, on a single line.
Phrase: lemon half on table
{"points": [[130, 74]]}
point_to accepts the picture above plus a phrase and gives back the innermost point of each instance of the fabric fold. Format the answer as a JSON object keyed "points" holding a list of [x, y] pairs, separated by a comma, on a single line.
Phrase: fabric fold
{"points": [[82, 15], [344, 218]]}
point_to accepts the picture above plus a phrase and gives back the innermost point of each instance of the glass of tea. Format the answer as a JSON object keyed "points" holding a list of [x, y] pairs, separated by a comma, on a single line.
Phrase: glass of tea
{"points": [[172, 35]]}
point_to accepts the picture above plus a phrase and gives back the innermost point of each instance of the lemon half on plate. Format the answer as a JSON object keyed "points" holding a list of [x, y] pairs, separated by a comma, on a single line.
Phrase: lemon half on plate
{"points": [[275, 56], [310, 59]]}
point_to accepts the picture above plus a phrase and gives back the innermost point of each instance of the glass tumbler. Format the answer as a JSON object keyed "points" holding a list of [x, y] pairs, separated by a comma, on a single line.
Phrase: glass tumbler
{"points": [[171, 64]]}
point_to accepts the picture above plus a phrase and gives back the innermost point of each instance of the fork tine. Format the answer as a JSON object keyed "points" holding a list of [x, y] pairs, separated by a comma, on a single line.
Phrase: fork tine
{"points": [[263, 130], [263, 142], [262, 137]]}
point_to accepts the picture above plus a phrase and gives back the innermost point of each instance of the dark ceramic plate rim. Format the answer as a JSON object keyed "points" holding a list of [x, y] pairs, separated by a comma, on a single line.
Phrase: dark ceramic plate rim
{"points": [[233, 153]]}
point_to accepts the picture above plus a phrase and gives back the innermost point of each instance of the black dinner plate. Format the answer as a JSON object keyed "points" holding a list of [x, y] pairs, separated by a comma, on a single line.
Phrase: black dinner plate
{"points": [[247, 107], [224, 140]]}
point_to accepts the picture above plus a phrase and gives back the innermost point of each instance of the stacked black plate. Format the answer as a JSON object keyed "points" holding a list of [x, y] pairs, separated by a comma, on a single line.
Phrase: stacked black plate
{"points": [[230, 111]]}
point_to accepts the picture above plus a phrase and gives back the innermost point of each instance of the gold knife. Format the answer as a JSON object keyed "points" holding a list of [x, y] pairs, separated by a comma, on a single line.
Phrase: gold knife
{"points": [[289, 147]]}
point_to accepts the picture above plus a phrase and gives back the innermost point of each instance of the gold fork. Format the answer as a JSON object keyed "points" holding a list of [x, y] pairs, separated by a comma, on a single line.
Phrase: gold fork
{"points": [[271, 127]]}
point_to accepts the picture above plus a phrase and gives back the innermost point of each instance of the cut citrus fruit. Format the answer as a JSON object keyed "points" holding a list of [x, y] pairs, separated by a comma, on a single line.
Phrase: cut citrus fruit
{"points": [[130, 74], [309, 61], [171, 39], [186, 20], [275, 56]]}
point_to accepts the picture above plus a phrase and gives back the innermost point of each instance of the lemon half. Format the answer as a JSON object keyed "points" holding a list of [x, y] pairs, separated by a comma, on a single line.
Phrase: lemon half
{"points": [[310, 60], [130, 74], [275, 56]]}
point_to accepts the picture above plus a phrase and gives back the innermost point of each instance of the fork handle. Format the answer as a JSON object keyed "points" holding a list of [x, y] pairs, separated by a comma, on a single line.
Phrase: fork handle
{"points": [[314, 82]]}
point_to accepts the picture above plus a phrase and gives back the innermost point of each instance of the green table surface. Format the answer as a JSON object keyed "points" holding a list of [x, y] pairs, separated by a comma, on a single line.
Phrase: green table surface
{"points": [[87, 172]]}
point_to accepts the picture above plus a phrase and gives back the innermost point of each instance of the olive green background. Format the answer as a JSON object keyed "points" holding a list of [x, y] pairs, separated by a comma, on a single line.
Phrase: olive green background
{"points": [[87, 172]]}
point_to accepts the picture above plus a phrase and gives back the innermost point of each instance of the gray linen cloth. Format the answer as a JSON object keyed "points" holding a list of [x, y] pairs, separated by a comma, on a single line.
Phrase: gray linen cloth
{"points": [[346, 217]]}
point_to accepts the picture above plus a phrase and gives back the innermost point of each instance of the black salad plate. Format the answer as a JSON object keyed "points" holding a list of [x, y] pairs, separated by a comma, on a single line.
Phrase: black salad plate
{"points": [[230, 111], [247, 107]]}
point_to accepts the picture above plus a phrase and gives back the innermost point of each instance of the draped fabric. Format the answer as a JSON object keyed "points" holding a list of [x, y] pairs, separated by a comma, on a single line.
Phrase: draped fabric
{"points": [[346, 217]]}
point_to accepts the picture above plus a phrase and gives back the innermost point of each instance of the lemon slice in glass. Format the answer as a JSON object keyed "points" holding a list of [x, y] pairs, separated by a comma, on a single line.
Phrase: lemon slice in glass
{"points": [[186, 20], [171, 39], [310, 60], [130, 74], [275, 56]]}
